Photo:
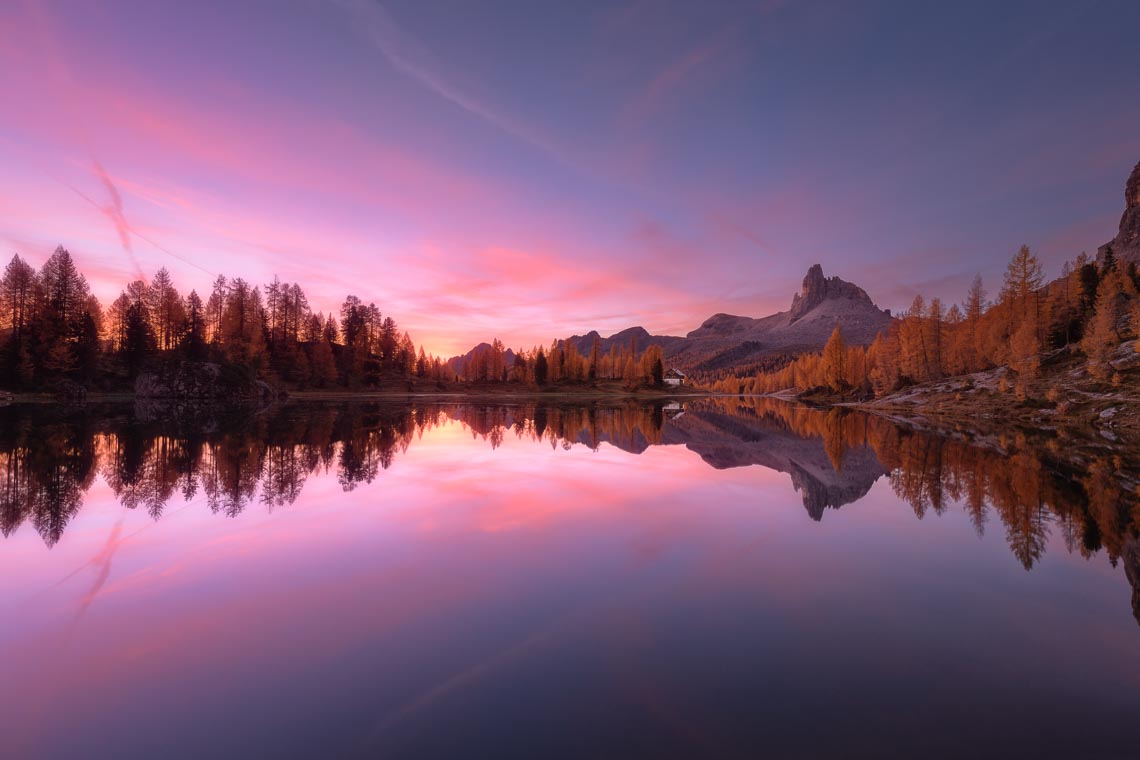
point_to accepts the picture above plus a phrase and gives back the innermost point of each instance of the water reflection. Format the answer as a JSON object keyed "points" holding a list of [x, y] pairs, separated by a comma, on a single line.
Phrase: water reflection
{"points": [[49, 458]]}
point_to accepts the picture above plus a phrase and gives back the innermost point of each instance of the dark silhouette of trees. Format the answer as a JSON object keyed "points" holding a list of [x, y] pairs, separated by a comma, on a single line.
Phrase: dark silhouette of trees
{"points": [[18, 290], [540, 367], [52, 329], [194, 337]]}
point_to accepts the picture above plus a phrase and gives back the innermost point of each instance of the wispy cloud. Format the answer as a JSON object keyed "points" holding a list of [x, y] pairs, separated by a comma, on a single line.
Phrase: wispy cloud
{"points": [[415, 60], [666, 81], [114, 211]]}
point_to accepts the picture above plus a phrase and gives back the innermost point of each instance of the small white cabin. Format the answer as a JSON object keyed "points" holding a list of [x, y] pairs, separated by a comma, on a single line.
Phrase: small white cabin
{"points": [[674, 377]]}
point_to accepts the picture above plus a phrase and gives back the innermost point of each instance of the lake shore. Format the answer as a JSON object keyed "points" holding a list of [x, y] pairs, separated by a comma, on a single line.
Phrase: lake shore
{"points": [[486, 393]]}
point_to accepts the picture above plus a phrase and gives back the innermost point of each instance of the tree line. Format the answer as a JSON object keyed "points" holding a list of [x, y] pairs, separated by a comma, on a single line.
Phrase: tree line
{"points": [[1091, 308], [563, 363], [52, 328]]}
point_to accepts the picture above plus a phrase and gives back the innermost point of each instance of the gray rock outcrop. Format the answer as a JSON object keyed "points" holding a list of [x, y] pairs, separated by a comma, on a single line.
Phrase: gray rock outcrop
{"points": [[1126, 245]]}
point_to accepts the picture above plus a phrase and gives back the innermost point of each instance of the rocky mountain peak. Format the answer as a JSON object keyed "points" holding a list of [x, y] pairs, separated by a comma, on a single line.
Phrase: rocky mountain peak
{"points": [[1126, 244], [817, 289], [1132, 189]]}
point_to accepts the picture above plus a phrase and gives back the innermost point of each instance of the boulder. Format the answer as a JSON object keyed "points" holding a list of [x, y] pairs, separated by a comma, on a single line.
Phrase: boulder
{"points": [[202, 381]]}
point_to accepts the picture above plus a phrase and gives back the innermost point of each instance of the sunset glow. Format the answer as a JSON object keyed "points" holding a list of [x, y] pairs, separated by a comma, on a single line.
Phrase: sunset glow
{"points": [[529, 172]]}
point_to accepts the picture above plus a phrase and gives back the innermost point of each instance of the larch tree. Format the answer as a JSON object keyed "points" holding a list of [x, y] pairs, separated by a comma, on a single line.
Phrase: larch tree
{"points": [[1102, 334], [974, 308], [17, 312], [834, 359], [934, 336], [215, 308], [1023, 279], [63, 304], [165, 309], [243, 337], [1024, 354], [194, 336]]}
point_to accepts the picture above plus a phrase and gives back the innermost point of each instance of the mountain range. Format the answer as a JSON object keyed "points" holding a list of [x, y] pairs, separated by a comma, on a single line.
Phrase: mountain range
{"points": [[727, 341]]}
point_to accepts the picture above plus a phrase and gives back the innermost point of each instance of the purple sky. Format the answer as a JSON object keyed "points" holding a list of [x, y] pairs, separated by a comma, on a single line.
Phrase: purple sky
{"points": [[529, 170]]}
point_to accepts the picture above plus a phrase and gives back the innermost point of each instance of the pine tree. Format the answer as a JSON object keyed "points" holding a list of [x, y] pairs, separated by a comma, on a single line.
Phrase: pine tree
{"points": [[540, 368], [164, 306], [215, 308], [194, 334], [17, 313]]}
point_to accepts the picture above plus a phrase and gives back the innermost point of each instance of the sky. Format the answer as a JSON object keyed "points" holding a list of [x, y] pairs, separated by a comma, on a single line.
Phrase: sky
{"points": [[529, 170]]}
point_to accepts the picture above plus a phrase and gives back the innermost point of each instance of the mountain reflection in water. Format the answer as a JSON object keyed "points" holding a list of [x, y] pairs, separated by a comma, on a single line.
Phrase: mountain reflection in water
{"points": [[50, 456], [544, 580]]}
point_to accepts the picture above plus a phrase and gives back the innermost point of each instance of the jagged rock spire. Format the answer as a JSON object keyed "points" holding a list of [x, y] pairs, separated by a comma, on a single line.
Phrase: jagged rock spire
{"points": [[1126, 244], [817, 289]]}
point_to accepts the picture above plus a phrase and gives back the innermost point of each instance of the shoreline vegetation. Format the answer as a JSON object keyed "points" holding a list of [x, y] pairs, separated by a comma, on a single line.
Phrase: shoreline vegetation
{"points": [[1056, 358], [245, 342], [1047, 358], [496, 393]]}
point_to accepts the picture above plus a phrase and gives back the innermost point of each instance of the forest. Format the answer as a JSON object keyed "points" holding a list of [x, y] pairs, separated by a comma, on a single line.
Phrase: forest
{"points": [[1089, 311], [55, 333], [562, 363]]}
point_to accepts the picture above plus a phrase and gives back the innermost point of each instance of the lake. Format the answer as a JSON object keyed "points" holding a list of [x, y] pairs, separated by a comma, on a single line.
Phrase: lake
{"points": [[712, 578]]}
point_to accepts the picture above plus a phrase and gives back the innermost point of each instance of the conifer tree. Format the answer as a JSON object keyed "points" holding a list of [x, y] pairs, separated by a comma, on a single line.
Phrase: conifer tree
{"points": [[834, 356]]}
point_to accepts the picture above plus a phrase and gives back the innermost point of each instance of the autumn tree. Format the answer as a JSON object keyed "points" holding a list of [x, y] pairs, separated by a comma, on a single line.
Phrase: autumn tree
{"points": [[194, 335], [883, 362], [243, 337], [1102, 334], [652, 366], [17, 312], [1023, 280], [913, 354], [165, 308], [933, 339], [62, 307], [215, 309], [834, 359], [1024, 352]]}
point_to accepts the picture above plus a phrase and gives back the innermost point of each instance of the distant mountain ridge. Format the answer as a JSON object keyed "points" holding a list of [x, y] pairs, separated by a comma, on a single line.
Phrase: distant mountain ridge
{"points": [[727, 341], [458, 364]]}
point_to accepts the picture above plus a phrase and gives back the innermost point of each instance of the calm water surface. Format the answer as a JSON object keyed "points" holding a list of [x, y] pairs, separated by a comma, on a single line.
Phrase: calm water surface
{"points": [[718, 579]]}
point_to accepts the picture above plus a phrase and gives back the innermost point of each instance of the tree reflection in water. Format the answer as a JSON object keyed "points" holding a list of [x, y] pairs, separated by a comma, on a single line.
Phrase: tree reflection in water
{"points": [[50, 456]]}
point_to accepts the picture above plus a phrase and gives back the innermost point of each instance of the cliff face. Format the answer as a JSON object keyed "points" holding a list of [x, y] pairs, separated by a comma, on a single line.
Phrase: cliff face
{"points": [[821, 303], [1126, 244], [817, 289], [1131, 561], [726, 340]]}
